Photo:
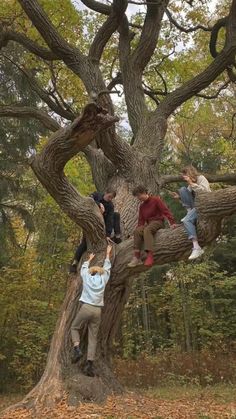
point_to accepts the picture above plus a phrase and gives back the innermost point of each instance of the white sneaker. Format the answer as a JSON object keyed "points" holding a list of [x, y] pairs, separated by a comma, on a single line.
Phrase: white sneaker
{"points": [[196, 253], [134, 262]]}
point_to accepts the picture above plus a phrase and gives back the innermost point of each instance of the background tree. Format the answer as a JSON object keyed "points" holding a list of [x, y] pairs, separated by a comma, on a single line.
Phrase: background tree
{"points": [[51, 45]]}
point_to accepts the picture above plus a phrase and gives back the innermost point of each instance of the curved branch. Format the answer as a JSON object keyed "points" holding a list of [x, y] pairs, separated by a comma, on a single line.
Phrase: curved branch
{"points": [[43, 94], [226, 57], [31, 46], [231, 71], [150, 33], [152, 95], [215, 96], [107, 29], [57, 44], [18, 111], [96, 6], [49, 164], [221, 23], [182, 28], [131, 78], [104, 9], [124, 41]]}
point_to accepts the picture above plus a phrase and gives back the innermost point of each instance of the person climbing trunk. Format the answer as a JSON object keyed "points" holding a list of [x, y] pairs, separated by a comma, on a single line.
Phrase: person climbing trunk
{"points": [[92, 300], [111, 220]]}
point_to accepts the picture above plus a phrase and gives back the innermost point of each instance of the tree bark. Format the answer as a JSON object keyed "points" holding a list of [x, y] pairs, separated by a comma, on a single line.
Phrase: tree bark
{"points": [[123, 167], [60, 377]]}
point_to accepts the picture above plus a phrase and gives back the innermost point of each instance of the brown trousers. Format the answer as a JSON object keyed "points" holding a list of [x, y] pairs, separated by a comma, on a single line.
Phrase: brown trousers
{"points": [[92, 315], [146, 234]]}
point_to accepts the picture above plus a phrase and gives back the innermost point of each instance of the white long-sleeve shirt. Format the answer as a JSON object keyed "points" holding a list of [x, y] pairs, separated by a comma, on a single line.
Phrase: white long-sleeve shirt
{"points": [[201, 185], [94, 285]]}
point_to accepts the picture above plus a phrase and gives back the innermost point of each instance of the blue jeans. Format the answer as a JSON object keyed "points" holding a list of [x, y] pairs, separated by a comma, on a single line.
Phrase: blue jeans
{"points": [[186, 197], [189, 222]]}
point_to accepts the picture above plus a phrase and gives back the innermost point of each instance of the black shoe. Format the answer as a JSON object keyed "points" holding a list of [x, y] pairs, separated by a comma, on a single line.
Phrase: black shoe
{"points": [[89, 369], [73, 268], [117, 240], [77, 354]]}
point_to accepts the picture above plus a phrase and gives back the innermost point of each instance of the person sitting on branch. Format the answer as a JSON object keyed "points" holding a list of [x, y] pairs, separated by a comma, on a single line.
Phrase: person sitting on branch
{"points": [[111, 220], [152, 213], [196, 183], [92, 300]]}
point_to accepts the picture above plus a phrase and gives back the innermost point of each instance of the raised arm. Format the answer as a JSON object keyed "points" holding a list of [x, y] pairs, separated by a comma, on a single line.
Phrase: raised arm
{"points": [[96, 196], [202, 185], [85, 266], [107, 264]]}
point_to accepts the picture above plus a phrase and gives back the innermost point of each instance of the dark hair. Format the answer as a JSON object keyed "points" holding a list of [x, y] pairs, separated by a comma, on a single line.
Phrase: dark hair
{"points": [[111, 191], [139, 190]]}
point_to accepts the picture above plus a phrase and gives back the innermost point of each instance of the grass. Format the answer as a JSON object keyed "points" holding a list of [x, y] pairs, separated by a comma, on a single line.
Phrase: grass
{"points": [[221, 393]]}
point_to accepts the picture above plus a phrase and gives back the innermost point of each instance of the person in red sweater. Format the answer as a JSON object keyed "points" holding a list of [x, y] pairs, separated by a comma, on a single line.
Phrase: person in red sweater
{"points": [[152, 213]]}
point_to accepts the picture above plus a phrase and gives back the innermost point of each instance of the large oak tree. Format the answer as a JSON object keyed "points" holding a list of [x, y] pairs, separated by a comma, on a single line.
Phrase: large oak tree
{"points": [[114, 162]]}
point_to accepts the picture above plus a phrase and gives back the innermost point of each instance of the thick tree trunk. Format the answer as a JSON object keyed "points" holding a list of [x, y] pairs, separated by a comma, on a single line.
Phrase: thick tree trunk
{"points": [[121, 166], [61, 379]]}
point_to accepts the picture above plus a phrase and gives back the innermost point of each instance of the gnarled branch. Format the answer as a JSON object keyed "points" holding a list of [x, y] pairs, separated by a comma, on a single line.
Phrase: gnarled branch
{"points": [[226, 57], [107, 29], [72, 56], [17, 111], [43, 94], [215, 95], [221, 23], [131, 79], [150, 33], [182, 28], [31, 46], [96, 6], [49, 164]]}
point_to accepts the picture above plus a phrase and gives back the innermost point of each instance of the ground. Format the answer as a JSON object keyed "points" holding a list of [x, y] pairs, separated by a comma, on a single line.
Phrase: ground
{"points": [[175, 402]]}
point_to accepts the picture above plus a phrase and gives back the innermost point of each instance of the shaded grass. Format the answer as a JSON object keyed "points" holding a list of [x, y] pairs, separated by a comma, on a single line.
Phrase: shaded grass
{"points": [[220, 393]]}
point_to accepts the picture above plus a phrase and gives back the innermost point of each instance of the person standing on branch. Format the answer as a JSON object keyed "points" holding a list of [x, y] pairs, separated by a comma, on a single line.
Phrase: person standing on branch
{"points": [[152, 213], [111, 220], [92, 300], [196, 183]]}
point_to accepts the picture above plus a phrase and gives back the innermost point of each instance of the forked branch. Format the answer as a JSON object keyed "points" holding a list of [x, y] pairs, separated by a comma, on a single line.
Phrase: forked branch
{"points": [[49, 165]]}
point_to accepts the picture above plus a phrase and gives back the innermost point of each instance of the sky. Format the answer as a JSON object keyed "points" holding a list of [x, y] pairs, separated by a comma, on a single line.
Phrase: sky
{"points": [[133, 8]]}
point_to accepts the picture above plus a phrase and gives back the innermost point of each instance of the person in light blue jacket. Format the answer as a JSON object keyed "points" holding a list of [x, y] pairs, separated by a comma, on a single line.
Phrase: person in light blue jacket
{"points": [[92, 299]]}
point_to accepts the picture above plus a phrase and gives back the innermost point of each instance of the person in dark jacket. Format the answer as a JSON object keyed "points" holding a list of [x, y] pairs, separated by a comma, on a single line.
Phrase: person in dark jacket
{"points": [[111, 220]]}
